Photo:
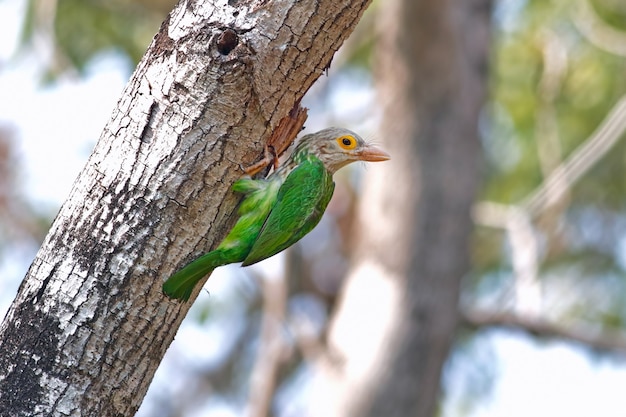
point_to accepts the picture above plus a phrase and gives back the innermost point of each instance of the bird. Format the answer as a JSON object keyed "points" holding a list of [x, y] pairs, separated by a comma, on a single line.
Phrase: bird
{"points": [[279, 210]]}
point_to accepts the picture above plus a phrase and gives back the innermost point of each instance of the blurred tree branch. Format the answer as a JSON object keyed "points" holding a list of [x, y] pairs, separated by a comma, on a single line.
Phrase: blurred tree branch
{"points": [[600, 340], [272, 346], [518, 220], [556, 186], [596, 30], [18, 221], [554, 70]]}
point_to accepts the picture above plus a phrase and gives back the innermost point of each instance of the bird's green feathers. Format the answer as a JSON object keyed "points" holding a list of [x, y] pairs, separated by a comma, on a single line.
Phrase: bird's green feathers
{"points": [[278, 211], [181, 284], [273, 216], [300, 204]]}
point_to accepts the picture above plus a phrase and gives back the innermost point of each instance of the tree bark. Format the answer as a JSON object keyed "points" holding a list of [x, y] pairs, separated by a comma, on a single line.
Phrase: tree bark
{"points": [[90, 325], [398, 314]]}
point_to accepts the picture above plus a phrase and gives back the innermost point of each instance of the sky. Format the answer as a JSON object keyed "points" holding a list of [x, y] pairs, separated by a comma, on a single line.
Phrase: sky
{"points": [[56, 127]]}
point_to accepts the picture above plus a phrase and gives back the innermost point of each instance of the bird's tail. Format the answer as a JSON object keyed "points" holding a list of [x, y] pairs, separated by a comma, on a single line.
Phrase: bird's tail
{"points": [[181, 284]]}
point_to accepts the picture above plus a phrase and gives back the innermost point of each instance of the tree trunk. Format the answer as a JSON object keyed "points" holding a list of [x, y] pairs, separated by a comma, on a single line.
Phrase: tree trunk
{"points": [[90, 325], [397, 318]]}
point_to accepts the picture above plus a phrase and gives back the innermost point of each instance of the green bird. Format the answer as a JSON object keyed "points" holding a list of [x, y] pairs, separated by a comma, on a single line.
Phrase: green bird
{"points": [[279, 210]]}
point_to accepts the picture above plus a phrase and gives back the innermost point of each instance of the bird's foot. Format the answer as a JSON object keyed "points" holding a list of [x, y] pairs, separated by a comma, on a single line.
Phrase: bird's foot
{"points": [[269, 157]]}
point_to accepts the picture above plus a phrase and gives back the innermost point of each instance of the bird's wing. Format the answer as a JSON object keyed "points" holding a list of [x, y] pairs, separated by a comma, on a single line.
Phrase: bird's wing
{"points": [[300, 204]]}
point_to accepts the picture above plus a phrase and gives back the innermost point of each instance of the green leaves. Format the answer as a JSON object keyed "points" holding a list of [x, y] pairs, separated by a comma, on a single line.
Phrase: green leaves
{"points": [[79, 30]]}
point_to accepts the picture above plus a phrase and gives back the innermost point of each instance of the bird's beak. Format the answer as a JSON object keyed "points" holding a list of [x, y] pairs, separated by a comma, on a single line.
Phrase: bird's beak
{"points": [[371, 153]]}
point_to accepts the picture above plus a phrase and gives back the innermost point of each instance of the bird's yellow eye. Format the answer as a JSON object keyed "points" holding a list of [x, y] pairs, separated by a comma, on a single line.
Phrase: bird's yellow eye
{"points": [[347, 142]]}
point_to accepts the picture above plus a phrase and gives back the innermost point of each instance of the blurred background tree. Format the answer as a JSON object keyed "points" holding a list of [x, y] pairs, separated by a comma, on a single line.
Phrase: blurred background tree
{"points": [[548, 250]]}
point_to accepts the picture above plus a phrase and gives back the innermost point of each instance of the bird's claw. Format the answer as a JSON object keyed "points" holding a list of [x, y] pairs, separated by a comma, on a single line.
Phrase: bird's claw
{"points": [[269, 157]]}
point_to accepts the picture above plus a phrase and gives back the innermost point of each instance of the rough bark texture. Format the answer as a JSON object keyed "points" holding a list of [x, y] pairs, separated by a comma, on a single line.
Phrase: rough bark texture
{"points": [[90, 325], [398, 314]]}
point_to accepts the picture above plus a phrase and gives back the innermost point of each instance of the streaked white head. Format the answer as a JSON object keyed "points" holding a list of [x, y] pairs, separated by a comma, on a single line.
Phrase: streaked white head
{"points": [[337, 147]]}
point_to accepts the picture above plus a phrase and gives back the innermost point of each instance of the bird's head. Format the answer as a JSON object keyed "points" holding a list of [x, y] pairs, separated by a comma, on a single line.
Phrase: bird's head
{"points": [[337, 147]]}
